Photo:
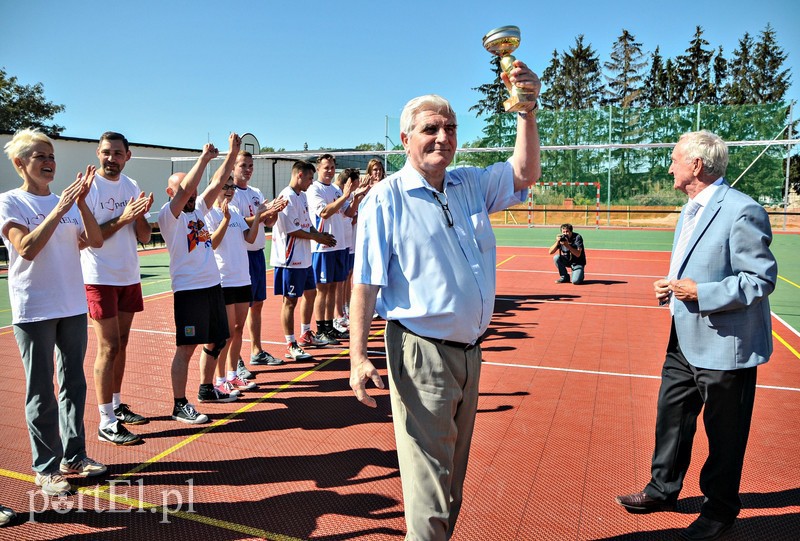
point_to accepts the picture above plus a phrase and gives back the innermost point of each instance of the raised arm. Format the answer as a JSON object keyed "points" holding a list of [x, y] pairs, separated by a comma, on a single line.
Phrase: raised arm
{"points": [[224, 171], [188, 185], [526, 159]]}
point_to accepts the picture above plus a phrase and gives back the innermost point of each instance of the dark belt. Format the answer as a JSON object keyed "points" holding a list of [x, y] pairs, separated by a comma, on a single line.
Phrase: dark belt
{"points": [[448, 343]]}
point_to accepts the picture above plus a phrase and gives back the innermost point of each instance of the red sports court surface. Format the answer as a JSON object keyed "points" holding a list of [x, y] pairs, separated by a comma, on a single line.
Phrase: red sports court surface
{"points": [[565, 423]]}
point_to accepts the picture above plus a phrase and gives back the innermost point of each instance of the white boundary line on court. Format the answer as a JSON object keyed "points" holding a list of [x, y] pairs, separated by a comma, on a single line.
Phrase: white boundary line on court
{"points": [[501, 269], [613, 374]]}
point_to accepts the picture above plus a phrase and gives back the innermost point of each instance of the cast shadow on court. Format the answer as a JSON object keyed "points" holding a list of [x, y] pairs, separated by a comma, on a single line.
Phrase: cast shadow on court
{"points": [[774, 528], [294, 515]]}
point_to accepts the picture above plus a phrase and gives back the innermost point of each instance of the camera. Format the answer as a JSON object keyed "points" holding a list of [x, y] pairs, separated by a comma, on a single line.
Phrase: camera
{"points": [[564, 238]]}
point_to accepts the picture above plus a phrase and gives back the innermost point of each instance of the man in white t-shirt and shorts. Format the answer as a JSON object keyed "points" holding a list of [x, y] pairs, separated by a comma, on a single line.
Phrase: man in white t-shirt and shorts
{"points": [[327, 203], [246, 199], [112, 281], [198, 303], [291, 258]]}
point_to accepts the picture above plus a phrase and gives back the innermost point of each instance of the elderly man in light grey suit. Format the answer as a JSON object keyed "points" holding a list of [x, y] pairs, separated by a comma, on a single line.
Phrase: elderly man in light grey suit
{"points": [[721, 273]]}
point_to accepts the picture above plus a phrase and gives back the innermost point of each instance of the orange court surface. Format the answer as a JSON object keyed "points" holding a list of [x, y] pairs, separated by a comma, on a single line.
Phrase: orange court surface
{"points": [[565, 423]]}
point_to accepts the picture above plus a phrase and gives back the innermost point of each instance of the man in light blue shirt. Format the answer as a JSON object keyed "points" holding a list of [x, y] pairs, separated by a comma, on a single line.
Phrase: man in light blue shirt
{"points": [[425, 257]]}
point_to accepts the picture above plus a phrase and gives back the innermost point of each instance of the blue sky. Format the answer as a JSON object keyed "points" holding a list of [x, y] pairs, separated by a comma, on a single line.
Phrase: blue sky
{"points": [[323, 73]]}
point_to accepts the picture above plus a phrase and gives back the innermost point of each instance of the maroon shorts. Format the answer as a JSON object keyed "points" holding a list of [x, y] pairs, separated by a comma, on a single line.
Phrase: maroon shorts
{"points": [[109, 301]]}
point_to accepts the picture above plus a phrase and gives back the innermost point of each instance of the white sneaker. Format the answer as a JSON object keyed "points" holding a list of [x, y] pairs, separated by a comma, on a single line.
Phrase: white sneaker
{"points": [[341, 324], [6, 515], [85, 467], [293, 351], [53, 484]]}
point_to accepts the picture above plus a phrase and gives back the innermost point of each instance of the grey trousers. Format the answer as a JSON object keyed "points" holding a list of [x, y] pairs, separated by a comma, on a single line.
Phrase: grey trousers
{"points": [[55, 426], [434, 396]]}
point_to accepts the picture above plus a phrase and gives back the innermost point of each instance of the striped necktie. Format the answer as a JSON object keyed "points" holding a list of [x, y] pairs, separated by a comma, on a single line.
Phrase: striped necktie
{"points": [[689, 221]]}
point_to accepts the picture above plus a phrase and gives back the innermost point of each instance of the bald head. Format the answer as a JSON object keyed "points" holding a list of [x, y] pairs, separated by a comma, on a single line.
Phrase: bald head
{"points": [[173, 182]]}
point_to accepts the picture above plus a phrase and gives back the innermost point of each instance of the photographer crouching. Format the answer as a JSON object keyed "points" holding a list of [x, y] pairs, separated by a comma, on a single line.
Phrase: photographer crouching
{"points": [[568, 250]]}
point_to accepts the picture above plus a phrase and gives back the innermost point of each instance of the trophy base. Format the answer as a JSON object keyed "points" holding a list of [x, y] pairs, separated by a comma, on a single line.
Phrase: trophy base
{"points": [[516, 103]]}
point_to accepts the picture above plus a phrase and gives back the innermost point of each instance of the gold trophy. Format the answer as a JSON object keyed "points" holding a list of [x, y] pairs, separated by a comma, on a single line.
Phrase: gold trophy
{"points": [[502, 42]]}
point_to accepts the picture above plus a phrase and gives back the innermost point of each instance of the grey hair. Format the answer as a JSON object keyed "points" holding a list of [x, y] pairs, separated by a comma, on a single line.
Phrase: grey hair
{"points": [[429, 102], [710, 148]]}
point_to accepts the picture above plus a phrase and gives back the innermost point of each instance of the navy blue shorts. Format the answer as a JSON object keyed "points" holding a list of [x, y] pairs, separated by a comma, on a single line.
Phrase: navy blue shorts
{"points": [[351, 262], [258, 275], [330, 267], [294, 282]]}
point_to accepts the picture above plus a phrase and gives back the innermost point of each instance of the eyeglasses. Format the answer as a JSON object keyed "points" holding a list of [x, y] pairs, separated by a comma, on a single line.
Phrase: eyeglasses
{"points": [[227, 187], [447, 214]]}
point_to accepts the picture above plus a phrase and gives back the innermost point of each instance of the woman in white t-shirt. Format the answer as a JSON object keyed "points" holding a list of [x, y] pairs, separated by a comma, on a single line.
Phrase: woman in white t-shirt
{"points": [[230, 234], [44, 233]]}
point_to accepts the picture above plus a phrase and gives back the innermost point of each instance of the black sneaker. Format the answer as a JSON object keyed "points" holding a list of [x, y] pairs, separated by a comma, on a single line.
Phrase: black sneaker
{"points": [[264, 358], [187, 414], [212, 394], [242, 371], [126, 416], [328, 338], [118, 435], [336, 334]]}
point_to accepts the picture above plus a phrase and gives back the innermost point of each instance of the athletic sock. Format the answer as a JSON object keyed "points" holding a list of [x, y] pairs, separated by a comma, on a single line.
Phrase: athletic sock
{"points": [[231, 375], [116, 399], [220, 381], [290, 339], [107, 417]]}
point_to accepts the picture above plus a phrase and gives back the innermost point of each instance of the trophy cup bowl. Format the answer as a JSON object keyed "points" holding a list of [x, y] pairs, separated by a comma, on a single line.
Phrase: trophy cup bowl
{"points": [[502, 42]]}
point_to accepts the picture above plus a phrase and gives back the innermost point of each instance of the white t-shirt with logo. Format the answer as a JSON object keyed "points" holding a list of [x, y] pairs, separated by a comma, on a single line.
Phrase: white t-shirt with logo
{"points": [[191, 258], [50, 286], [291, 252], [231, 254], [246, 200], [320, 196], [116, 263]]}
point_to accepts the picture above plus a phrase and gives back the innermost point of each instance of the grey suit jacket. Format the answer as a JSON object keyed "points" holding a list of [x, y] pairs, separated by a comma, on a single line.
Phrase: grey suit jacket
{"points": [[728, 255]]}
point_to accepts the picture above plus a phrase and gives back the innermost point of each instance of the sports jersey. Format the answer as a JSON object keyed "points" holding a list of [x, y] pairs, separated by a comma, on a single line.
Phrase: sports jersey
{"points": [[287, 251], [321, 195], [246, 200]]}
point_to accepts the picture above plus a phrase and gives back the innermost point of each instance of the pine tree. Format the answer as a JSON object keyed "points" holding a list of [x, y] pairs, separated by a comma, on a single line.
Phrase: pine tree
{"points": [[740, 90], [499, 126], [720, 77], [695, 70], [624, 82], [582, 76], [771, 80], [655, 87], [553, 82]]}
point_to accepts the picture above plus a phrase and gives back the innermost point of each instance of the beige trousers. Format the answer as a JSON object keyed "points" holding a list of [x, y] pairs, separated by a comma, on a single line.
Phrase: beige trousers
{"points": [[434, 395]]}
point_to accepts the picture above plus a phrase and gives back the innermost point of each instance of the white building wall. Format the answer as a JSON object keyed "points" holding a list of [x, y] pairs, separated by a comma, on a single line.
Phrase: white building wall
{"points": [[149, 166]]}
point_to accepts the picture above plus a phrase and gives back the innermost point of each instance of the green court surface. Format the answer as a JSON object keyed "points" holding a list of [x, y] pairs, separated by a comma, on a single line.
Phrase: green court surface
{"points": [[785, 300]]}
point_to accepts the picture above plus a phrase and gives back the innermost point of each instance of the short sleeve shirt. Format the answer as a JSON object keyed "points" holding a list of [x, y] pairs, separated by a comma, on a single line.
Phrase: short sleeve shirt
{"points": [[191, 259], [116, 263], [247, 200], [436, 279], [288, 251], [50, 286]]}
